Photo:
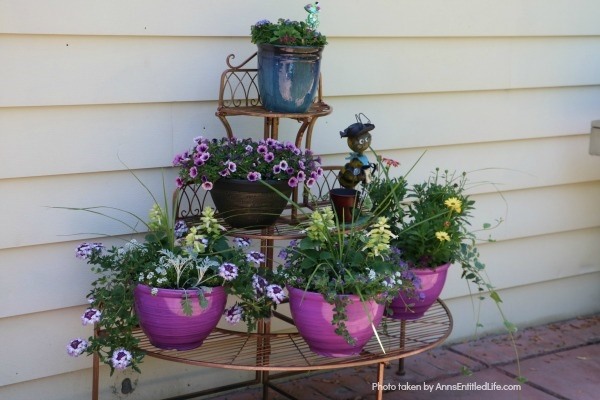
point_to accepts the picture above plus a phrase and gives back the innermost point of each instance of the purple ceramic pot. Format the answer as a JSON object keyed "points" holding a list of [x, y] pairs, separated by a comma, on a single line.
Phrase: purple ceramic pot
{"points": [[432, 283], [312, 316], [167, 327]]}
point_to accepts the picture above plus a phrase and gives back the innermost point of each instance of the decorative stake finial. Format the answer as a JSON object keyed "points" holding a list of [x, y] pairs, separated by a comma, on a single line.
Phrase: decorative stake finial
{"points": [[312, 18]]}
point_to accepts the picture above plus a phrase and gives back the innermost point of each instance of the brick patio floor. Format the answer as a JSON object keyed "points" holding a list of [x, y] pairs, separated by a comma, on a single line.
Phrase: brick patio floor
{"points": [[560, 361]]}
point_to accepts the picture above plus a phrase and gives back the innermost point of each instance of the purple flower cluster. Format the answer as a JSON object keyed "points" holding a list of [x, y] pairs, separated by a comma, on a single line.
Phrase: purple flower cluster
{"points": [[180, 229], [85, 250], [121, 359], [228, 271], [210, 160], [233, 314], [255, 257], [76, 347], [241, 242], [262, 288], [91, 316]]}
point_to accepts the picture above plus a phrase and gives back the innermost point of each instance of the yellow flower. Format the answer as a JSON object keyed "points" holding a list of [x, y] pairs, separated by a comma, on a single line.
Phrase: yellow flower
{"points": [[442, 236], [379, 237], [454, 204]]}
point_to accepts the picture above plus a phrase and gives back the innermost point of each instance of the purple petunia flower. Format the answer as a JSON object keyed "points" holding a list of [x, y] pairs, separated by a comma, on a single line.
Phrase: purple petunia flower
{"points": [[293, 182], [76, 347], [276, 169], [256, 257], [91, 316], [275, 293], [234, 314], [180, 158], [262, 149], [253, 176], [202, 147], [231, 166], [179, 182], [84, 251], [268, 157], [301, 176], [283, 165], [290, 171], [207, 185], [310, 182], [249, 149], [224, 172], [121, 359], [228, 271], [193, 172], [301, 165]]}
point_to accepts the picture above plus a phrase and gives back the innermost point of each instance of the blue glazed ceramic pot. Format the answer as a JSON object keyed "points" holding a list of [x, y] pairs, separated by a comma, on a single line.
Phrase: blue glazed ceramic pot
{"points": [[288, 77]]}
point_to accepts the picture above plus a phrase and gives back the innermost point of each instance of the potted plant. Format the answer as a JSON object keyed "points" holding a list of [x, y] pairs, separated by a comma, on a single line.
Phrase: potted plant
{"points": [[432, 225], [289, 61], [181, 296], [181, 272], [339, 278], [242, 173]]}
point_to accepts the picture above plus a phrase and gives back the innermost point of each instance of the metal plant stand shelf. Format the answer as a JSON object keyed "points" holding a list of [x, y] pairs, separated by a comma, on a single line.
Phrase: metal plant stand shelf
{"points": [[268, 352], [276, 352]]}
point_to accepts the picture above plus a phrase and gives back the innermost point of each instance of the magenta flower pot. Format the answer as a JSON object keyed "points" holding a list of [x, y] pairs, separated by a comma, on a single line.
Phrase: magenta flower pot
{"points": [[413, 307], [312, 316], [167, 327]]}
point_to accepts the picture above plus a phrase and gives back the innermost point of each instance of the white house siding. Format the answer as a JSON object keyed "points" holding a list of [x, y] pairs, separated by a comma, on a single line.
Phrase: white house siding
{"points": [[507, 88]]}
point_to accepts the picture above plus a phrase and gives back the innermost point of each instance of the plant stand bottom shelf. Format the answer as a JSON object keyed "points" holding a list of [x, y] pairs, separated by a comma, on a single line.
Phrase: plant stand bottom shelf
{"points": [[275, 355]]}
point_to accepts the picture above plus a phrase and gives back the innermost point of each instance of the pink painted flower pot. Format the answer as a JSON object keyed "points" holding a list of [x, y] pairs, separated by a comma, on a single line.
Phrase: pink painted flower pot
{"points": [[167, 327], [312, 316], [413, 307]]}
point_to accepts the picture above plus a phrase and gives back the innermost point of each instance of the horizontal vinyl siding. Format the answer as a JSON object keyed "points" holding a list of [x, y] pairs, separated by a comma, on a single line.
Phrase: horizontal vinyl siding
{"points": [[68, 70], [378, 18], [504, 89], [93, 138]]}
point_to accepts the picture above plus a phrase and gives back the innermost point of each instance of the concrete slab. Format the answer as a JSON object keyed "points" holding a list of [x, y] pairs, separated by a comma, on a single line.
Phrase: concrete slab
{"points": [[490, 384], [572, 374], [530, 342]]}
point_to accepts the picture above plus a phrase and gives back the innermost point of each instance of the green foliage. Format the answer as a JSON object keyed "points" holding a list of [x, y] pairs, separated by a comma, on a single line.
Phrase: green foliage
{"points": [[286, 32]]}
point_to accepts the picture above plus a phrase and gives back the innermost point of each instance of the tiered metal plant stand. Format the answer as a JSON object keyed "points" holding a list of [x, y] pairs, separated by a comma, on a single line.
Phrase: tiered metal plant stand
{"points": [[275, 355]]}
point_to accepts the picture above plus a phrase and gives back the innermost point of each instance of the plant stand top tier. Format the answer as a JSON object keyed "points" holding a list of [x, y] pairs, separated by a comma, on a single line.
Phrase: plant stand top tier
{"points": [[239, 95]]}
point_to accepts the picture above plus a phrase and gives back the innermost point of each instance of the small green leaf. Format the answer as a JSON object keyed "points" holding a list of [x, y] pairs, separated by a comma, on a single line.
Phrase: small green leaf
{"points": [[495, 296], [186, 306], [512, 328]]}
